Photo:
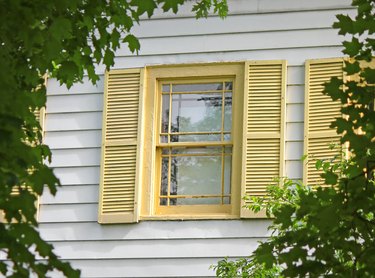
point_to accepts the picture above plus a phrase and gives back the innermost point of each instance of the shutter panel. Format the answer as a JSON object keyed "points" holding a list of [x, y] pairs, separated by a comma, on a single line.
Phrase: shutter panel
{"points": [[120, 171], [37, 114], [40, 117], [263, 138], [320, 111]]}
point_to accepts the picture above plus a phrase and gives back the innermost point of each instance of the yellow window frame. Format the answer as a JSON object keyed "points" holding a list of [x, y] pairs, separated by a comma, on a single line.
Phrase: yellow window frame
{"points": [[222, 208], [197, 73]]}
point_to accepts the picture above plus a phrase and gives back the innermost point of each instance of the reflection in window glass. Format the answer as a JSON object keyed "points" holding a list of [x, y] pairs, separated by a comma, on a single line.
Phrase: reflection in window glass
{"points": [[165, 88], [199, 112], [165, 113], [228, 86], [164, 177], [227, 174], [200, 87], [228, 112], [196, 112], [195, 138], [197, 175], [197, 201], [191, 180]]}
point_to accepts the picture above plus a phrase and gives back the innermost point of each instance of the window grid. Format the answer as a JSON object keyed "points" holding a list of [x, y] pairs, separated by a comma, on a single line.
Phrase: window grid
{"points": [[170, 144]]}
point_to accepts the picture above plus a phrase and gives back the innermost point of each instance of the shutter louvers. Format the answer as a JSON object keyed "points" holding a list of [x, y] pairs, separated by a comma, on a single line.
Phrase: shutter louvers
{"points": [[320, 111], [41, 113], [264, 117], [40, 117], [37, 114], [119, 178]]}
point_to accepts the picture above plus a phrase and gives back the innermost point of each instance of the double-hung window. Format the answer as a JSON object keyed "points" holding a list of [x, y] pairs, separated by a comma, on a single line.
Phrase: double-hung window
{"points": [[196, 141], [194, 149]]}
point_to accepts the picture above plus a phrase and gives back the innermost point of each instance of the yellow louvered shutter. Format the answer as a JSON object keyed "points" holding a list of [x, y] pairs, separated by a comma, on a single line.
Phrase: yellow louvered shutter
{"points": [[264, 117], [37, 114], [40, 113], [320, 111], [120, 171], [40, 117]]}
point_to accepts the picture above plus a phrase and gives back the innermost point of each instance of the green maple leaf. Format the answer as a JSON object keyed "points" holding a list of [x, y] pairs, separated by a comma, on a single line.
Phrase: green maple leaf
{"points": [[369, 75], [330, 178], [171, 5], [144, 6], [345, 24], [133, 43], [61, 28], [352, 48], [332, 88], [352, 68]]}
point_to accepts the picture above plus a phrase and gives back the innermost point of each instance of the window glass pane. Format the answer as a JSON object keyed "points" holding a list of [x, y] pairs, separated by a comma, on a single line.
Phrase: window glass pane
{"points": [[199, 113], [228, 86], [196, 201], [197, 87], [174, 176], [196, 112], [165, 113], [195, 138], [227, 137], [164, 176], [226, 200], [165, 151], [163, 201], [203, 150], [228, 112], [165, 88], [227, 174], [196, 175], [164, 139]]}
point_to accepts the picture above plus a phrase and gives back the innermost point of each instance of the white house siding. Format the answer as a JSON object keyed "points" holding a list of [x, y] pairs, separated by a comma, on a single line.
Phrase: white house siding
{"points": [[294, 30]]}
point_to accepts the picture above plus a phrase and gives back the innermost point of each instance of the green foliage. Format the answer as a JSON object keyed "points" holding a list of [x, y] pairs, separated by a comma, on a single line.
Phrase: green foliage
{"points": [[330, 231], [203, 7], [244, 268], [320, 232], [65, 38]]}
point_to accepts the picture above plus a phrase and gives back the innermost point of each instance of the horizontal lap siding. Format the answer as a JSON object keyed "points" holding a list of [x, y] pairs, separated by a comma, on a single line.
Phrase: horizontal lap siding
{"points": [[236, 42], [74, 139], [155, 230], [265, 6], [73, 194], [294, 56], [294, 30], [143, 268], [145, 249], [240, 23]]}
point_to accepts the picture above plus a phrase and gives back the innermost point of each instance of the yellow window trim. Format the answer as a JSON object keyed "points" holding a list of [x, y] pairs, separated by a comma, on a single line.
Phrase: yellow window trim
{"points": [[191, 73], [188, 209]]}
